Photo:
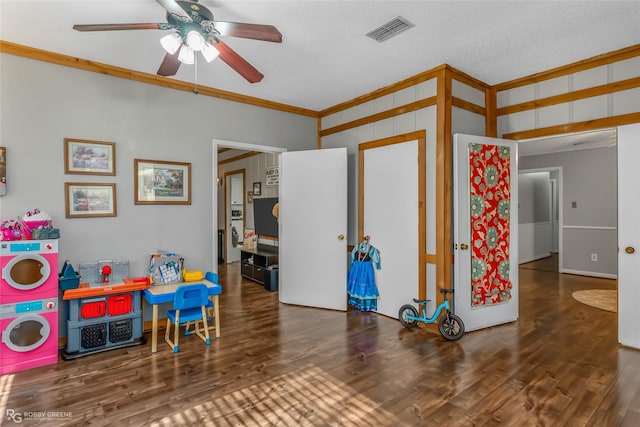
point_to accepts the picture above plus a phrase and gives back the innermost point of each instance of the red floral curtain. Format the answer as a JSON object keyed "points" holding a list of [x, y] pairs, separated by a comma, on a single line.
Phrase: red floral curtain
{"points": [[489, 181]]}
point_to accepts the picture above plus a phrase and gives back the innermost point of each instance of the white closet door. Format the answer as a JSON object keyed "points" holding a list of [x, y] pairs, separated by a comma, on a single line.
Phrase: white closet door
{"points": [[312, 228], [391, 220]]}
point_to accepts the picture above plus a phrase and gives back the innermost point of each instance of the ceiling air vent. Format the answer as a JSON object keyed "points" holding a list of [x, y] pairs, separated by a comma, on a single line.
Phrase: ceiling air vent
{"points": [[390, 29]]}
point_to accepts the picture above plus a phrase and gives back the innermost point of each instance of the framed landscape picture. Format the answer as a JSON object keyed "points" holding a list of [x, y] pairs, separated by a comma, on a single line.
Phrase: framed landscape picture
{"points": [[158, 182], [85, 157], [89, 199]]}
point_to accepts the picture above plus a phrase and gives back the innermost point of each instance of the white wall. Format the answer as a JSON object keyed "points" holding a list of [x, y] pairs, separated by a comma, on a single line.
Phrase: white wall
{"points": [[43, 103]]}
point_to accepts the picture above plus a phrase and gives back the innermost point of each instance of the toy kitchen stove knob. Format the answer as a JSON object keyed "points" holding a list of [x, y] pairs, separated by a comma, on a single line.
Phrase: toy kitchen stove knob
{"points": [[106, 271]]}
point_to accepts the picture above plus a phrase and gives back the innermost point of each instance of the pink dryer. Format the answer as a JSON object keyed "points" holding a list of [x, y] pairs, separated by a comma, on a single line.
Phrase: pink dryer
{"points": [[29, 270], [29, 332]]}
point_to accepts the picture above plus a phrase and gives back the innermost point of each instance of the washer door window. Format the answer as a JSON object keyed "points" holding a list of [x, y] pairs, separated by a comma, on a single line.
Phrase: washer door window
{"points": [[26, 333], [26, 272]]}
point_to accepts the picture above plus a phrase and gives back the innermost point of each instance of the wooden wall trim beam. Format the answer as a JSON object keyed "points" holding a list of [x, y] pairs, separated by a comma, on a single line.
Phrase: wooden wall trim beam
{"points": [[422, 213], [491, 116], [411, 81], [571, 96], [607, 122], [596, 61], [465, 78], [469, 106], [417, 105], [110, 70], [444, 170], [429, 259]]}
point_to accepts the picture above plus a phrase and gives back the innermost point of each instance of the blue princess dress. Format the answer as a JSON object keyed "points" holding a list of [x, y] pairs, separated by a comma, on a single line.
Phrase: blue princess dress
{"points": [[361, 281]]}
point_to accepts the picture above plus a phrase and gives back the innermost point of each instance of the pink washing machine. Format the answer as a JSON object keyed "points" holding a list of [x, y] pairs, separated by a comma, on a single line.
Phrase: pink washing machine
{"points": [[29, 332], [29, 270]]}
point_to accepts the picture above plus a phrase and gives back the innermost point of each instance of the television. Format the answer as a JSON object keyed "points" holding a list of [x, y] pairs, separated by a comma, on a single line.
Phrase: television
{"points": [[265, 222]]}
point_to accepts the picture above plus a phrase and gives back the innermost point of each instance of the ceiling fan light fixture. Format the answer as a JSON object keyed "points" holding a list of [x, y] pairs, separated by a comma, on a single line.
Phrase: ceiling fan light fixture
{"points": [[210, 52], [171, 43], [186, 55], [195, 40]]}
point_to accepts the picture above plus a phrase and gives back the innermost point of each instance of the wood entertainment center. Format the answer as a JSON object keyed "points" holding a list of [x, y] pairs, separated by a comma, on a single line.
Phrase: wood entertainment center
{"points": [[261, 265]]}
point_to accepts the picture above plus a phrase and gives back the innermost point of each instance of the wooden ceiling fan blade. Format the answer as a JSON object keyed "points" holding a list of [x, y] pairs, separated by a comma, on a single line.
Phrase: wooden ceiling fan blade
{"points": [[237, 62], [173, 7], [117, 27], [170, 64], [267, 33]]}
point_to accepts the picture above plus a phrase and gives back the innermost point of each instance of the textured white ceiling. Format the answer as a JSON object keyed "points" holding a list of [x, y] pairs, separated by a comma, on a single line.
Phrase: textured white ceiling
{"points": [[325, 57]]}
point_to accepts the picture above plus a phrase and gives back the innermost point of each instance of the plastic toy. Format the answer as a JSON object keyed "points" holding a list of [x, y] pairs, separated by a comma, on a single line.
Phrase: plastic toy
{"points": [[11, 230], [450, 326]]}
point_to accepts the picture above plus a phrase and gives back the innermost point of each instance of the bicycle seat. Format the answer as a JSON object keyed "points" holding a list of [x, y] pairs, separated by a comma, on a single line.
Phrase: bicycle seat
{"points": [[421, 301], [445, 291]]}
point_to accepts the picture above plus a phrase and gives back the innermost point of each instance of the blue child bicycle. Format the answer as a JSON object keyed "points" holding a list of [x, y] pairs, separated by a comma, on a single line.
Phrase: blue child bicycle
{"points": [[450, 326]]}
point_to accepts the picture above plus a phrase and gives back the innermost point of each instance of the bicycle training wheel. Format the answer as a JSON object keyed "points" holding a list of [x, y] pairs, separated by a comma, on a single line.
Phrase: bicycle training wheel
{"points": [[451, 326], [408, 310]]}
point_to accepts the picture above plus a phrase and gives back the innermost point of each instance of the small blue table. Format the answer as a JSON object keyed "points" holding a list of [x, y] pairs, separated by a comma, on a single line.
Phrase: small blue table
{"points": [[160, 294]]}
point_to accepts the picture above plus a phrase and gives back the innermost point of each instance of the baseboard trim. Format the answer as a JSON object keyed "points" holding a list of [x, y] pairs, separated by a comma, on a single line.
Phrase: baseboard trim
{"points": [[590, 273], [534, 258]]}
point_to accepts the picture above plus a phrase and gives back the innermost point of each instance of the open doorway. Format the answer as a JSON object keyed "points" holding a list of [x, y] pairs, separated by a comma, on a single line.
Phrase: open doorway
{"points": [[234, 213], [239, 150], [586, 187], [539, 203]]}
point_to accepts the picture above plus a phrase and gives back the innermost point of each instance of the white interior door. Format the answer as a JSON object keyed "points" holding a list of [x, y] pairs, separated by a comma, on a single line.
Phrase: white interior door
{"points": [[391, 220], [312, 228], [485, 230], [628, 235]]}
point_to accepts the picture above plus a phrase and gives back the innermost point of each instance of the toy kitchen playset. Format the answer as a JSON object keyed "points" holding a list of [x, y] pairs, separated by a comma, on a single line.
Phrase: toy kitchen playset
{"points": [[105, 310]]}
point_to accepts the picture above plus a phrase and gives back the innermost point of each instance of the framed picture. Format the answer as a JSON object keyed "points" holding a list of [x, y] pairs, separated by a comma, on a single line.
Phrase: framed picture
{"points": [[157, 182], [89, 199], [257, 188], [85, 157]]}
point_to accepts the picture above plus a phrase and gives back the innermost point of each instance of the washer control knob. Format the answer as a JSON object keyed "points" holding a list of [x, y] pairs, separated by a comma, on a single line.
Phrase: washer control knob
{"points": [[51, 305]]}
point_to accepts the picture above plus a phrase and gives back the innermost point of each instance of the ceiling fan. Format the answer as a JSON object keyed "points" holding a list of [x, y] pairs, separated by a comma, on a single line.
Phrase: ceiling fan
{"points": [[197, 31]]}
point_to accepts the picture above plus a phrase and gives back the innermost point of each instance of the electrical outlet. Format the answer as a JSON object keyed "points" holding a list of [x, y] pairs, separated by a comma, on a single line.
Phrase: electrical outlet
{"points": [[594, 257]]}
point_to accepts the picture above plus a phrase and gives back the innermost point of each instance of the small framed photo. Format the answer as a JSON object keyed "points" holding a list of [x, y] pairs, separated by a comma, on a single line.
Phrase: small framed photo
{"points": [[85, 157], [89, 199], [157, 182], [257, 188]]}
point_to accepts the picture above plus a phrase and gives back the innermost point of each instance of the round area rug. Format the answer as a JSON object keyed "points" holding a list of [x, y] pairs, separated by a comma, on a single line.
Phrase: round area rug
{"points": [[604, 299]]}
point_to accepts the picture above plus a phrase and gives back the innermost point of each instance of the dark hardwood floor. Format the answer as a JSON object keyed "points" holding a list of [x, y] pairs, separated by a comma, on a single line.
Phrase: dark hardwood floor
{"points": [[280, 365]]}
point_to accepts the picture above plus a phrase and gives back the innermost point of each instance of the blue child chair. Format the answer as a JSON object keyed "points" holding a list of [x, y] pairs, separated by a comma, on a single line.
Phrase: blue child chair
{"points": [[189, 305]]}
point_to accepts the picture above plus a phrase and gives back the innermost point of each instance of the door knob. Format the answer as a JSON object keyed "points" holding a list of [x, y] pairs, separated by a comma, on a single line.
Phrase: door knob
{"points": [[340, 236], [629, 249], [464, 246]]}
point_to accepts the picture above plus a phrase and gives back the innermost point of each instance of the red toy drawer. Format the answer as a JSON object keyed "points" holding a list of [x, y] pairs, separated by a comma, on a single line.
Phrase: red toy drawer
{"points": [[119, 304], [91, 309]]}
